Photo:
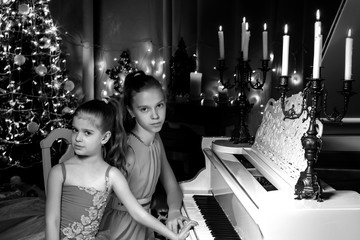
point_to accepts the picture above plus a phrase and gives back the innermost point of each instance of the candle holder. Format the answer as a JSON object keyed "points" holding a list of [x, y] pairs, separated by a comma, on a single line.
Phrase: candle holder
{"points": [[308, 186], [242, 84]]}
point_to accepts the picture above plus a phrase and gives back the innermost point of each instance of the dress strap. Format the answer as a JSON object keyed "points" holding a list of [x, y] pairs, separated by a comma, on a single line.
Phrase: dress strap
{"points": [[63, 170], [107, 171]]}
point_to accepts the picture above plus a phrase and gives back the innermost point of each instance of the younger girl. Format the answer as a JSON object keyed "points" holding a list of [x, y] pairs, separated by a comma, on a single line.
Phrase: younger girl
{"points": [[146, 161], [78, 188]]}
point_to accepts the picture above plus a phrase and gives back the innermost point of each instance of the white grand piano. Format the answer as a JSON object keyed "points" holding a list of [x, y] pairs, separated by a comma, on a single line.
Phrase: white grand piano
{"points": [[248, 192]]}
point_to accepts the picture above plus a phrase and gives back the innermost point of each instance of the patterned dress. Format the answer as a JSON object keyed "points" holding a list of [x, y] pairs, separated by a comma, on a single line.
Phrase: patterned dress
{"points": [[82, 209], [142, 177]]}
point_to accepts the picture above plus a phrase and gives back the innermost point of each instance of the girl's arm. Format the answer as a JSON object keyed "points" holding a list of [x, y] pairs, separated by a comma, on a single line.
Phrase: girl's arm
{"points": [[137, 212], [174, 194], [53, 203]]}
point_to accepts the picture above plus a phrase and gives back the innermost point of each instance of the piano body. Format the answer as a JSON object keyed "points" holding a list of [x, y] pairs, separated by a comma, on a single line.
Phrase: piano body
{"points": [[254, 187]]}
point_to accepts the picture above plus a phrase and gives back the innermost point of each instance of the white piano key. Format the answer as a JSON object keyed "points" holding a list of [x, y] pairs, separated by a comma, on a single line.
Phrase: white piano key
{"points": [[201, 231]]}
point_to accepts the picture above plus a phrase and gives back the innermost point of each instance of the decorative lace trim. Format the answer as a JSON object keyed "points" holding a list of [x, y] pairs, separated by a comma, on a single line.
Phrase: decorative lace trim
{"points": [[89, 225]]}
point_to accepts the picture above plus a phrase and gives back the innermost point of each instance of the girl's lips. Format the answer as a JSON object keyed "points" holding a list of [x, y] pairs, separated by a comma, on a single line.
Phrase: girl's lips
{"points": [[157, 124], [77, 147]]}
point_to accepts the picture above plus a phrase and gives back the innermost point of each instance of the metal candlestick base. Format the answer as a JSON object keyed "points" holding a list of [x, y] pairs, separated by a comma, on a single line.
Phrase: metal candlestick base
{"points": [[308, 186]]}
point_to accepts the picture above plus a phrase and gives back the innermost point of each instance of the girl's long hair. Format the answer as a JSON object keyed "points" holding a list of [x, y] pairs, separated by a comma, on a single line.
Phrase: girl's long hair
{"points": [[110, 114]]}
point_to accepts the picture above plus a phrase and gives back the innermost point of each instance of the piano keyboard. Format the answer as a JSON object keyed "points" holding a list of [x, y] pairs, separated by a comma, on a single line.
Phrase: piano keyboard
{"points": [[213, 223]]}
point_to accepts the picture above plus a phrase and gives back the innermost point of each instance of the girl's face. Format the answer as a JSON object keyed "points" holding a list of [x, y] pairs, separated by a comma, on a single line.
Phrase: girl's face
{"points": [[149, 109], [87, 139]]}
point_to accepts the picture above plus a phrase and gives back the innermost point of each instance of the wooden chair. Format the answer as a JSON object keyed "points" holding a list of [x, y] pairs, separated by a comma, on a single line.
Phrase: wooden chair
{"points": [[47, 143]]}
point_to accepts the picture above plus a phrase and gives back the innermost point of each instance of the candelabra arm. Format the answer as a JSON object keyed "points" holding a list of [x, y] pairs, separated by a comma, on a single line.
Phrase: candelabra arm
{"points": [[347, 92], [291, 113], [260, 82]]}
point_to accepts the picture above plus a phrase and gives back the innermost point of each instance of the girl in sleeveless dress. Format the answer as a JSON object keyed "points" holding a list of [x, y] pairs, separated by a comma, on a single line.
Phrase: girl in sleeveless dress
{"points": [[146, 161], [78, 189]]}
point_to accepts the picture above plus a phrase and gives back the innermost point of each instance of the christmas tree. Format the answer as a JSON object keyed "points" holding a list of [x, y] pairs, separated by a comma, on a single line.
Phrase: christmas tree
{"points": [[118, 73], [35, 92]]}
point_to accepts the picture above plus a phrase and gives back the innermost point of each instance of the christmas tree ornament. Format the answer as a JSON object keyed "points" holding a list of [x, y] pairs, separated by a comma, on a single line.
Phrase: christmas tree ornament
{"points": [[24, 9], [19, 60], [44, 43], [69, 85], [32, 127], [67, 110], [41, 70]]}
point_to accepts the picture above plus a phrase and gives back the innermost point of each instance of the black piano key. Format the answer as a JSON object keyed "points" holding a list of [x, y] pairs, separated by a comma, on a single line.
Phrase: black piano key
{"points": [[215, 218]]}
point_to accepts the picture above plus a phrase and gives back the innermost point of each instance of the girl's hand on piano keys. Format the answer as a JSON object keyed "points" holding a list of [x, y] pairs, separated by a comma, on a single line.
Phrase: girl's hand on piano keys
{"points": [[175, 220], [184, 232]]}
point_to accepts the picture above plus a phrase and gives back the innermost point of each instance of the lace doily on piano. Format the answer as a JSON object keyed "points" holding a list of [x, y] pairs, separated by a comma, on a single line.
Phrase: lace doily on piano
{"points": [[279, 140]]}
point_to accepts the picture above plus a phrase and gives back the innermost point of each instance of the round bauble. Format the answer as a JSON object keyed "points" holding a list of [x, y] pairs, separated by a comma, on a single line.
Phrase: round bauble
{"points": [[32, 127], [69, 85], [41, 70], [19, 60], [24, 9]]}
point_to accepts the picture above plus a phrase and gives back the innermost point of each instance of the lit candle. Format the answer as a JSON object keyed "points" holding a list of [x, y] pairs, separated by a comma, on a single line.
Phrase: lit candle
{"points": [[348, 56], [317, 28], [265, 42], [195, 85], [285, 52], [317, 46], [243, 30], [221, 43], [246, 43]]}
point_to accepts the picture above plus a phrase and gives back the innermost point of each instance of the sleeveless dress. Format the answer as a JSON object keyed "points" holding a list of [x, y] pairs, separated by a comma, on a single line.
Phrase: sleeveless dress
{"points": [[142, 179], [82, 209]]}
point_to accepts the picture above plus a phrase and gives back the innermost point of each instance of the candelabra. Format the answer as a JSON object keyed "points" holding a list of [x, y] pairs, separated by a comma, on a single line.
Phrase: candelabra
{"points": [[308, 186], [242, 83]]}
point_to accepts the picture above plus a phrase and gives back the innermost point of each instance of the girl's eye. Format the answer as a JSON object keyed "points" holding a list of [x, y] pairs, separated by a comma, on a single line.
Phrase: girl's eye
{"points": [[161, 105], [87, 133], [74, 130], [144, 109]]}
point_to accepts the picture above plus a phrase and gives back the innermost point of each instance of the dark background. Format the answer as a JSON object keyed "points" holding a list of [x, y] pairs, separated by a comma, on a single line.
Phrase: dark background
{"points": [[95, 32]]}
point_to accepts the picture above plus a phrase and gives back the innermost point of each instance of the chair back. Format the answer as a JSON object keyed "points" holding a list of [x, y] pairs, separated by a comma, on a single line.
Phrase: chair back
{"points": [[46, 145]]}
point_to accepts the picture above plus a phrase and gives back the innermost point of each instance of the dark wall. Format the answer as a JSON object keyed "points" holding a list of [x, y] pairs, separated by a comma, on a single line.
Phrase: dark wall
{"points": [[334, 58], [135, 26]]}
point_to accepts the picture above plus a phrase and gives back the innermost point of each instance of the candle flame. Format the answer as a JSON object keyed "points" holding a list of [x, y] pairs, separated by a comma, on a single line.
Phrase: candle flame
{"points": [[318, 15], [286, 29], [220, 28], [349, 33], [244, 19], [265, 26], [247, 26]]}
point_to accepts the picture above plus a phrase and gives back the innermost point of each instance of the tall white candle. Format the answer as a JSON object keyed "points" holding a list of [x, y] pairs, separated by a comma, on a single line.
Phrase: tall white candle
{"points": [[221, 43], [348, 56], [317, 54], [243, 30], [195, 85], [265, 42], [285, 52], [317, 46], [246, 43]]}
